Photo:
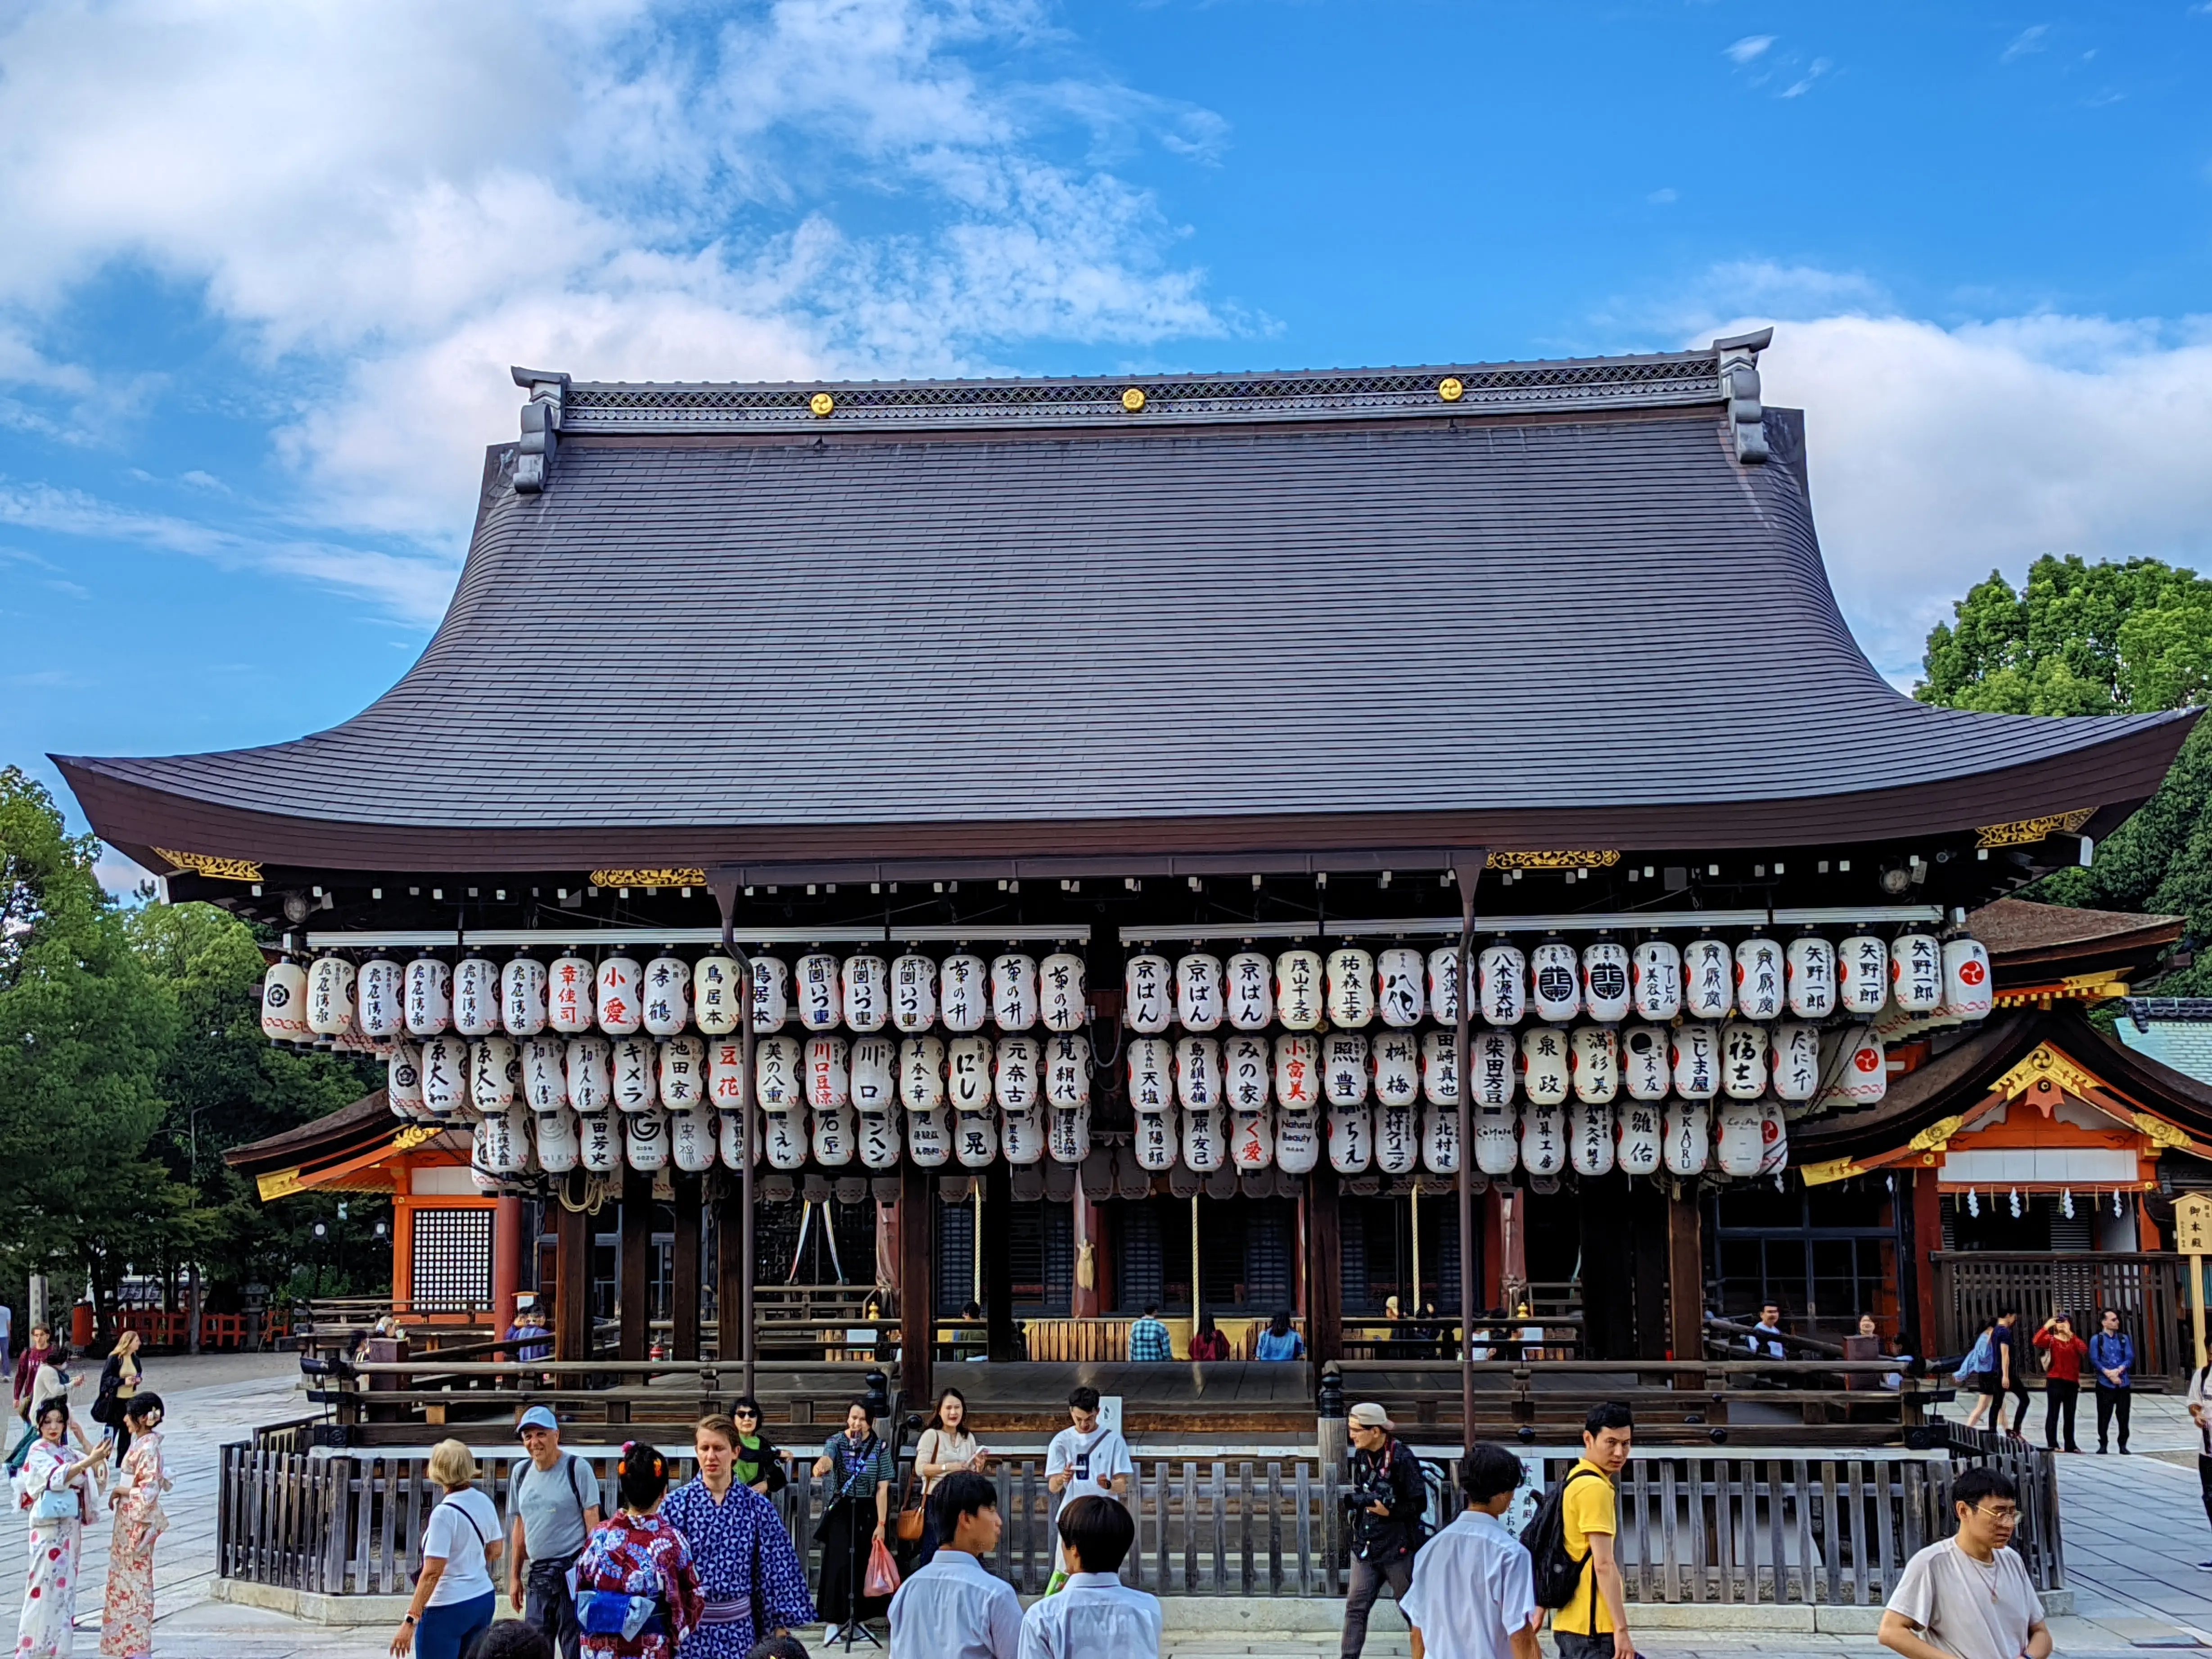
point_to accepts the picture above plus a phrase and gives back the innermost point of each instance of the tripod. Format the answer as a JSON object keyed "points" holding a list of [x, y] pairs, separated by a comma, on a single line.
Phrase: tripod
{"points": [[855, 1628]]}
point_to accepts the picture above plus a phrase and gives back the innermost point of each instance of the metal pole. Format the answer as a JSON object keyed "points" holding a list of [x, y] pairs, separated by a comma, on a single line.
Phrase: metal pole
{"points": [[1466, 872], [1196, 1300], [1413, 1200], [726, 894]]}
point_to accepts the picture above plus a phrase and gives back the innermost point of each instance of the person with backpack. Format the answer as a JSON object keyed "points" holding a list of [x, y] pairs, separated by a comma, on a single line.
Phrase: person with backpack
{"points": [[1474, 1592], [454, 1598], [2112, 1353], [552, 1505], [1976, 1372], [1571, 1542], [1387, 1497]]}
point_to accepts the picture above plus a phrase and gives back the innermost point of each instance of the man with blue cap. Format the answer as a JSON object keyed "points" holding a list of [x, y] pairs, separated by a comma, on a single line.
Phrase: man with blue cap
{"points": [[552, 1504]]}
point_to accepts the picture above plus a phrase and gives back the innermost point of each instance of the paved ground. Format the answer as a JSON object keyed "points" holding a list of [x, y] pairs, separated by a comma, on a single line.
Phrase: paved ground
{"points": [[2134, 1531]]}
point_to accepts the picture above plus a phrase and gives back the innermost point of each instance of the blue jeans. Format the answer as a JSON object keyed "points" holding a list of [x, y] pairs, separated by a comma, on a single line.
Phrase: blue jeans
{"points": [[446, 1631]]}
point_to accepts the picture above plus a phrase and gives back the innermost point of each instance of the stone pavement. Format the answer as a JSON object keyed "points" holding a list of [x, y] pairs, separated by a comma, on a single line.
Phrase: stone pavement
{"points": [[2134, 1531]]}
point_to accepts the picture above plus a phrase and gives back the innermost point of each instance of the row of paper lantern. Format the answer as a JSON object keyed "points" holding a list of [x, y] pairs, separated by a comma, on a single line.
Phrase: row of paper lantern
{"points": [[1683, 1137], [1759, 979]]}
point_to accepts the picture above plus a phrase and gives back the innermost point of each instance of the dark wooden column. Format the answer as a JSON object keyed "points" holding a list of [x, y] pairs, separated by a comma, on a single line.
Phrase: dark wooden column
{"points": [[1686, 1275], [1324, 1269], [684, 1280], [637, 1263], [730, 1220], [1920, 1233], [1003, 1339], [572, 1283], [917, 1283], [1608, 1299], [1648, 1209]]}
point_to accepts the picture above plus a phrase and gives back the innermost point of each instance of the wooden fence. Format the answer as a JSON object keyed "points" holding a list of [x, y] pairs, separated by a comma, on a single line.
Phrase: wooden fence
{"points": [[1720, 1529], [1974, 1286]]}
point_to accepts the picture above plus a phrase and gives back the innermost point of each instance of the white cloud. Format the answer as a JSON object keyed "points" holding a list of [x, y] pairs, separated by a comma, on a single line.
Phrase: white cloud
{"points": [[1750, 47], [2029, 39]]}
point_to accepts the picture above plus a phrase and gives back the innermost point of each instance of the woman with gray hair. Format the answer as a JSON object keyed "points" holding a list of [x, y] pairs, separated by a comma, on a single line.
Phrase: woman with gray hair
{"points": [[453, 1597]]}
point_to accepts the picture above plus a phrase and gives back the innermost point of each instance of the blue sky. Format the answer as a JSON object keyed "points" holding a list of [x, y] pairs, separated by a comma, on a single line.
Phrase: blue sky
{"points": [[266, 266]]}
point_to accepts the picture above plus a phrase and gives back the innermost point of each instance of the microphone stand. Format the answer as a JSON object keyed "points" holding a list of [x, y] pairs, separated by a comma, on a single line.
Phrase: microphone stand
{"points": [[854, 1626]]}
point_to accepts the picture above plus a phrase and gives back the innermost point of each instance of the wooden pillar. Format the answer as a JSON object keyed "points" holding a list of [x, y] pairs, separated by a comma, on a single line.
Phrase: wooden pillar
{"points": [[917, 1283], [731, 1218], [1924, 1197], [1686, 1275], [507, 1220], [1608, 1303], [636, 1264], [1495, 1199], [572, 1277], [1003, 1339], [1647, 1203], [403, 1251], [1324, 1269], [684, 1280]]}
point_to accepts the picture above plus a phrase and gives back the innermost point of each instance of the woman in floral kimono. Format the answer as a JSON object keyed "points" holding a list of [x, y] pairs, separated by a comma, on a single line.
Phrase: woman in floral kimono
{"points": [[126, 1629], [51, 1482], [637, 1562]]}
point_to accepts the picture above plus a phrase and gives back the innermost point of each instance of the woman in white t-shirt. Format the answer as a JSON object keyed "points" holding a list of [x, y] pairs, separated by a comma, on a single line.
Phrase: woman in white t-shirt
{"points": [[454, 1598]]}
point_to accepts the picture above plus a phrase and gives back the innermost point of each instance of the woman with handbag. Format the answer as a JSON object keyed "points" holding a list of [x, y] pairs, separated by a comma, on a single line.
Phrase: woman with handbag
{"points": [[118, 1381], [750, 1576], [945, 1448], [637, 1596], [858, 1467], [52, 1488], [453, 1597], [126, 1624]]}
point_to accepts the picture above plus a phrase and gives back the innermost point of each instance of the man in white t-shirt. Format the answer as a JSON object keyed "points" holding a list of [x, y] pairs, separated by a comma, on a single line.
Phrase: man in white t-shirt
{"points": [[1087, 1458], [1969, 1597]]}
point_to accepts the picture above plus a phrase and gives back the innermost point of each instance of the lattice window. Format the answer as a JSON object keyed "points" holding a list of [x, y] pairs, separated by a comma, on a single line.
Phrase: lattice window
{"points": [[452, 1260]]}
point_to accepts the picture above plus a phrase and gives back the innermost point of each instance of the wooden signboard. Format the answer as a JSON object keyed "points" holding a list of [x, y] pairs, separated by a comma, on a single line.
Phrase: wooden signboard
{"points": [[2192, 1237]]}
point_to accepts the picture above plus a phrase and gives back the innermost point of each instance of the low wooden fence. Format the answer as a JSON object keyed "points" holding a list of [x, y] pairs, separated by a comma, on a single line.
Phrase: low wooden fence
{"points": [[1694, 1529], [2148, 1289]]}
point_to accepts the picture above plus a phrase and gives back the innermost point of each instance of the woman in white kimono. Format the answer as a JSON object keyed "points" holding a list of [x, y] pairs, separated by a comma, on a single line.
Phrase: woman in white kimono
{"points": [[52, 1489]]}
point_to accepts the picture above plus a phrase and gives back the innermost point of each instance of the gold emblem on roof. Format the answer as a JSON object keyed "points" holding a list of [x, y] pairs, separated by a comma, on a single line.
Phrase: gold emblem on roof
{"points": [[648, 877], [2160, 1133], [1937, 1136], [209, 864], [2045, 1064], [2022, 832], [1133, 399], [1449, 388], [1558, 859], [278, 1183]]}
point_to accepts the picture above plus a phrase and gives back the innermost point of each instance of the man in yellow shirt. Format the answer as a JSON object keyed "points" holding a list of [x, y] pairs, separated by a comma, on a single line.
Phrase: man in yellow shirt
{"points": [[1594, 1623]]}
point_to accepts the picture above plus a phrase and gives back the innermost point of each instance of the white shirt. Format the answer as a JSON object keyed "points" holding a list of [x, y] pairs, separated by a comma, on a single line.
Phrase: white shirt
{"points": [[1092, 1460], [449, 1534], [1473, 1588], [1965, 1607], [1095, 1616], [953, 1609], [2198, 1394]]}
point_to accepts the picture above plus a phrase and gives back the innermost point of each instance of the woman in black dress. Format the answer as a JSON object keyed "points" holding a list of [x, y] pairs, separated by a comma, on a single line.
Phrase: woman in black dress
{"points": [[857, 1466]]}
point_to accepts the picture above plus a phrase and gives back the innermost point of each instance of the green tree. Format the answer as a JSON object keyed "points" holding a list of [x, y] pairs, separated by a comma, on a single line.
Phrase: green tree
{"points": [[2102, 639]]}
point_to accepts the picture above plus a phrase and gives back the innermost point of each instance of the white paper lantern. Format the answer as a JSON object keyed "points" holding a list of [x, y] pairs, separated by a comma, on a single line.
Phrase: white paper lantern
{"points": [[715, 993], [1916, 973], [1697, 1056], [1760, 979], [588, 1071], [1444, 984], [1544, 1072], [494, 1070], [1016, 1081], [1708, 979], [1773, 1138], [1738, 1138], [1198, 1076], [1014, 991], [784, 1137], [1858, 1065], [691, 1139], [874, 1079], [1688, 1136], [379, 1003], [445, 1075], [620, 987], [1639, 1149], [545, 1073], [1344, 1068], [1644, 1070], [1605, 981], [1743, 1059], [1796, 1059], [1298, 1072], [1205, 1146], [1060, 998], [1151, 1074], [599, 1140], [1556, 981], [1148, 992], [913, 993], [1251, 1140], [1021, 1137], [1397, 1140], [922, 1073], [779, 1084], [829, 1073], [1811, 963], [569, 995], [666, 995], [1298, 1141], [1967, 992], [1543, 1140], [1439, 1070], [1492, 1062], [403, 1079], [682, 1074], [645, 1139], [1502, 975], [725, 1074], [1159, 1138], [1496, 1137], [1067, 1134], [819, 992], [329, 996], [1248, 991], [1351, 988], [929, 1138], [1298, 990], [1594, 1063], [731, 1139], [1200, 1004], [771, 995], [968, 1074], [497, 1148], [522, 1011], [1440, 1140], [1591, 1137], [284, 1003], [1863, 973], [974, 1139], [864, 985], [835, 1135], [1395, 1066], [1350, 1139], [429, 997], [632, 1066], [1398, 972], [963, 991], [560, 1148], [1656, 970], [475, 997], [1245, 1063]]}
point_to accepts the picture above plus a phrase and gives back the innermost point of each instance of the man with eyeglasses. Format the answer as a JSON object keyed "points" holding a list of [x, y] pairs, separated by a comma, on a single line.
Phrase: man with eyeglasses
{"points": [[1969, 1597]]}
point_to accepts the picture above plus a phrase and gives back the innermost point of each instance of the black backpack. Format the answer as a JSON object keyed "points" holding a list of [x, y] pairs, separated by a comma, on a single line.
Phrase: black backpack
{"points": [[1557, 1573]]}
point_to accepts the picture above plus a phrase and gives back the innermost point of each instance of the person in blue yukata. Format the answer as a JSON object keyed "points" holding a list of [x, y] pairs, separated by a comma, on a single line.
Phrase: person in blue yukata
{"points": [[733, 1532], [1148, 1337]]}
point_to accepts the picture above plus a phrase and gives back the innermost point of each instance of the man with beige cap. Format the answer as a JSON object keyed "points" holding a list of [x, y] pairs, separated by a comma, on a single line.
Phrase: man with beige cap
{"points": [[1387, 1498]]}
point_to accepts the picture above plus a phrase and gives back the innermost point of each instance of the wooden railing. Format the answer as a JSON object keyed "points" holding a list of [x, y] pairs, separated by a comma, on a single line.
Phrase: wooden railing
{"points": [[1974, 1286]]}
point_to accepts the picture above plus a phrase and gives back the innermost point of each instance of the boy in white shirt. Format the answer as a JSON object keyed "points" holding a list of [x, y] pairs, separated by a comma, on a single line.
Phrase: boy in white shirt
{"points": [[1086, 1459], [1474, 1590], [1095, 1615], [952, 1609]]}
